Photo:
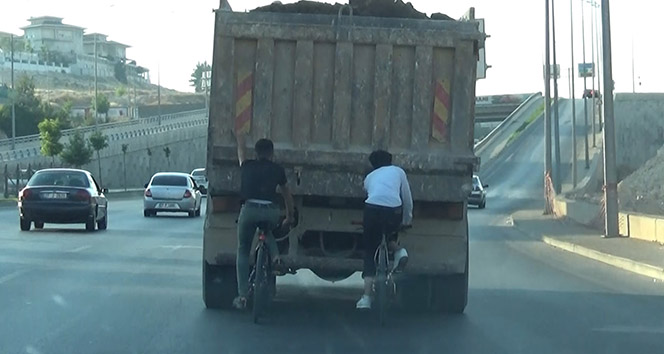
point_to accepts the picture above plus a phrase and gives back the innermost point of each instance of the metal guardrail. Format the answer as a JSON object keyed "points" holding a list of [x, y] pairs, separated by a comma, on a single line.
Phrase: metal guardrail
{"points": [[22, 140], [34, 151]]}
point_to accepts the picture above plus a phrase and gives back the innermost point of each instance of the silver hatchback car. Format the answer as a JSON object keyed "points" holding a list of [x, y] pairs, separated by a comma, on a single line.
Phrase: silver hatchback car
{"points": [[172, 192]]}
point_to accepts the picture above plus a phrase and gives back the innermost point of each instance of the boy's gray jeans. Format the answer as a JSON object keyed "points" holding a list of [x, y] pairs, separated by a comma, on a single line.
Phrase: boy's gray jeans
{"points": [[251, 215]]}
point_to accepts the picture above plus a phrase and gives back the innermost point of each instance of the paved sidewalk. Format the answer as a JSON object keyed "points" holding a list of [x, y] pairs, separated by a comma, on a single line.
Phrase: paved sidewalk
{"points": [[641, 257]]}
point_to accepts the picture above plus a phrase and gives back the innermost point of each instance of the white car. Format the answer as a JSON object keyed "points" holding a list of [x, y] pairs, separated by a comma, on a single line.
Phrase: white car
{"points": [[172, 192], [201, 179]]}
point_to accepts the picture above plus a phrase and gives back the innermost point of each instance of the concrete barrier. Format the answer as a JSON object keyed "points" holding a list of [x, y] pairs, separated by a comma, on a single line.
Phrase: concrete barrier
{"points": [[634, 225], [579, 211]]}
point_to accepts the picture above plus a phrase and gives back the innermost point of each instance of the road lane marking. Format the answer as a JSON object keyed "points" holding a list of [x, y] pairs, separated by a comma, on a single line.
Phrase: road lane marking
{"points": [[13, 275], [631, 329], [79, 249], [177, 247]]}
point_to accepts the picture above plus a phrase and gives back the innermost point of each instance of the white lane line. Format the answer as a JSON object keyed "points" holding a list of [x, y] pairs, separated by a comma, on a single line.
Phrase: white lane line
{"points": [[636, 329], [13, 275], [79, 249], [177, 247]]}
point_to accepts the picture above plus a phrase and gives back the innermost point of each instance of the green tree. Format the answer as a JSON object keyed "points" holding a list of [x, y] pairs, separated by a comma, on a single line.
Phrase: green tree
{"points": [[196, 80], [103, 105], [167, 152], [29, 109], [149, 160], [121, 91], [76, 153], [125, 147], [120, 72], [98, 142], [50, 133]]}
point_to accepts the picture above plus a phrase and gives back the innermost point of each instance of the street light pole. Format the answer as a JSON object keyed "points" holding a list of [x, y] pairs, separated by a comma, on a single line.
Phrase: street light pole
{"points": [[557, 183], [610, 175], [585, 86], [599, 61], [159, 94], [633, 78], [548, 207], [96, 93], [572, 95], [592, 56], [13, 94]]}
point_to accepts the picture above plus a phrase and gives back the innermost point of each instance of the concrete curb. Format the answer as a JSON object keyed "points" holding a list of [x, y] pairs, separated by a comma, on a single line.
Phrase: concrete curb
{"points": [[627, 264]]}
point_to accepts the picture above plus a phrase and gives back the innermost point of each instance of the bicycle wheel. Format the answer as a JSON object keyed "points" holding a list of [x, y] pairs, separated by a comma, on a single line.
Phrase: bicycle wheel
{"points": [[261, 282], [381, 286]]}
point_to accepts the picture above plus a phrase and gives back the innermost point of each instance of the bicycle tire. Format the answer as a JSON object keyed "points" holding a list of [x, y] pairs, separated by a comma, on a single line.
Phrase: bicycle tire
{"points": [[261, 285], [381, 285]]}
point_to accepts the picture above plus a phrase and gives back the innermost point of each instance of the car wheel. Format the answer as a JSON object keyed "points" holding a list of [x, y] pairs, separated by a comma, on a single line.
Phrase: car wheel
{"points": [[25, 224], [192, 213], [147, 213], [103, 223], [482, 205], [90, 224], [198, 212], [219, 286], [39, 225]]}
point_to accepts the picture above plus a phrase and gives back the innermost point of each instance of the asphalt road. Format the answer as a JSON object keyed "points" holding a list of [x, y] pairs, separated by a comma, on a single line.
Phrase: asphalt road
{"points": [[135, 288]]}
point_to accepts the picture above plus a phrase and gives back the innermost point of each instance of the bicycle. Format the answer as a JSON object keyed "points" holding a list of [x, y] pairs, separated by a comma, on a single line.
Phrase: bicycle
{"points": [[262, 282], [384, 286]]}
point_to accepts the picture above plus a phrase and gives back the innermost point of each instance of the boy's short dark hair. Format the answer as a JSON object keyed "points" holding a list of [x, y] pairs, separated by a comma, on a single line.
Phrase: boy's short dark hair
{"points": [[380, 158], [264, 149]]}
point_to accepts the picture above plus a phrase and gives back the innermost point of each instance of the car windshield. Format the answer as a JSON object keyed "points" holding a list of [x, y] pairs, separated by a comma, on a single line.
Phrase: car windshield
{"points": [[198, 173], [169, 180], [59, 178]]}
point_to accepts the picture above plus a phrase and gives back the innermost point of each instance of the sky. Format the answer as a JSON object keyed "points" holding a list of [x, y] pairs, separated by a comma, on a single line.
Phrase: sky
{"points": [[170, 37]]}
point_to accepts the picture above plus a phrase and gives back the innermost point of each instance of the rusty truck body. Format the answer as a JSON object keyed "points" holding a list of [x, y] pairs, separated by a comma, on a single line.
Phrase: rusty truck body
{"points": [[328, 90]]}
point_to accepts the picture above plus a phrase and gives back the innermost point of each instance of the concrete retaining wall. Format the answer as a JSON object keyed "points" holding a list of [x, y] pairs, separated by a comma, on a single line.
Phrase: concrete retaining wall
{"points": [[188, 148]]}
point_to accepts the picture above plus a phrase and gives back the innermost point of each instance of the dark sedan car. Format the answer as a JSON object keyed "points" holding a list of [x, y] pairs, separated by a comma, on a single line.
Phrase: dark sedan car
{"points": [[478, 194], [62, 196]]}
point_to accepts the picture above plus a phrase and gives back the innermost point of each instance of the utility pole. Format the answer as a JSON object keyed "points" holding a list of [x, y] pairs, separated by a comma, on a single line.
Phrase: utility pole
{"points": [[610, 175], [585, 85], [633, 78], [96, 93], [207, 74], [557, 183], [572, 95], [11, 40], [592, 56], [599, 61], [548, 207], [159, 94]]}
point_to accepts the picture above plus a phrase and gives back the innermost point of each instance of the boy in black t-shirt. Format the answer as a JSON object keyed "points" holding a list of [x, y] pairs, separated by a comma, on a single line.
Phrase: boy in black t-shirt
{"points": [[260, 179]]}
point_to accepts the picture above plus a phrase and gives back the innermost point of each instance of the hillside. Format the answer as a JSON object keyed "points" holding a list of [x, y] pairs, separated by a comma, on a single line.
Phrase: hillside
{"points": [[643, 190]]}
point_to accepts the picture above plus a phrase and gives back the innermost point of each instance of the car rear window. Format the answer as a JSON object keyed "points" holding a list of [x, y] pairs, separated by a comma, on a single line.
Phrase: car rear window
{"points": [[167, 180], [198, 173], [65, 179], [476, 181]]}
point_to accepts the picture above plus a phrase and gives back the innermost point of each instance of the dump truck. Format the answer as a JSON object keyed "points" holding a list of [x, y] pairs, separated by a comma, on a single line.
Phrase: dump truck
{"points": [[328, 90]]}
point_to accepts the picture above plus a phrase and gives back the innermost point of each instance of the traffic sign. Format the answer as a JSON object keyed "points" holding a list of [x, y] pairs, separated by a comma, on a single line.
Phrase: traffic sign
{"points": [[586, 69]]}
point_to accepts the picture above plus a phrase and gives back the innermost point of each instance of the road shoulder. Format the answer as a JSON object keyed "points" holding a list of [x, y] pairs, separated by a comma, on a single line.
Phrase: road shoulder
{"points": [[636, 256]]}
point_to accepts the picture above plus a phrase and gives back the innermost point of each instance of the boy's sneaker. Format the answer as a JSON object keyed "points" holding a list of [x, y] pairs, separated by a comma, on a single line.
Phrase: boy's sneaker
{"points": [[364, 303], [400, 260]]}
